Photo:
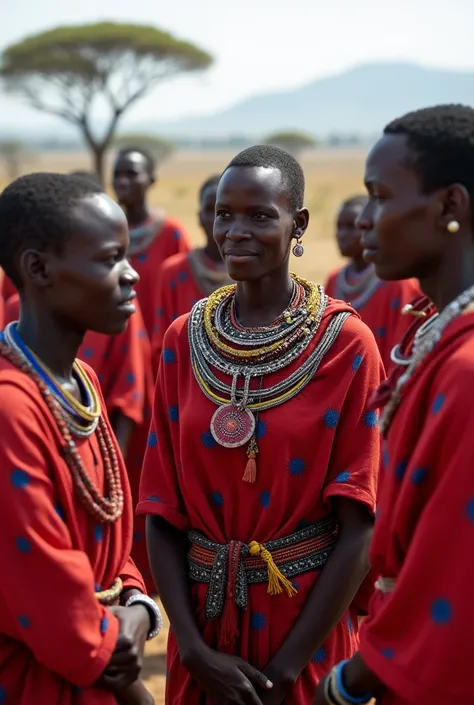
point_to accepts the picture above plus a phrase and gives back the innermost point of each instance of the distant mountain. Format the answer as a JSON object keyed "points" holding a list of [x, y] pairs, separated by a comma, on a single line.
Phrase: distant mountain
{"points": [[359, 101]]}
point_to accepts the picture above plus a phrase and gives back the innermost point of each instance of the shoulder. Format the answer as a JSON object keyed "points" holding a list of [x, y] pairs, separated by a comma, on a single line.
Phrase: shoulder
{"points": [[404, 288], [354, 337], [172, 227], [176, 335], [173, 265], [21, 401]]}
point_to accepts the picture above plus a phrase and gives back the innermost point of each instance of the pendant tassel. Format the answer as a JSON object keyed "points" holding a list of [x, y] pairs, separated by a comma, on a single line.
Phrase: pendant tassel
{"points": [[277, 583], [250, 474]]}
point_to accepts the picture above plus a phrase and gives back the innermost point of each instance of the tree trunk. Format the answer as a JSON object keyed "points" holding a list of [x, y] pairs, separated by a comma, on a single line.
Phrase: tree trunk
{"points": [[98, 155]]}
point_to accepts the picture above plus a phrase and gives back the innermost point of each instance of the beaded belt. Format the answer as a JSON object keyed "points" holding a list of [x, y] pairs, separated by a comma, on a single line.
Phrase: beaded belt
{"points": [[228, 569]]}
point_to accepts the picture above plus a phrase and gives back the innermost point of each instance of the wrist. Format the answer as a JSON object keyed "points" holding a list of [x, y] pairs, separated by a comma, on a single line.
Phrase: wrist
{"points": [[152, 609], [283, 672], [193, 652]]}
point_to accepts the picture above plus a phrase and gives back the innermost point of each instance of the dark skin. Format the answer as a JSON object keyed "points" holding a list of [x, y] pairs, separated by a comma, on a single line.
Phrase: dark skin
{"points": [[132, 180], [254, 229], [88, 286], [207, 210], [348, 236], [405, 234]]}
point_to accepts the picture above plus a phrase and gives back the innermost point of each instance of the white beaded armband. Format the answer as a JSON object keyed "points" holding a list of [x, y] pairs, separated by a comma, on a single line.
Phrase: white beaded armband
{"points": [[156, 617]]}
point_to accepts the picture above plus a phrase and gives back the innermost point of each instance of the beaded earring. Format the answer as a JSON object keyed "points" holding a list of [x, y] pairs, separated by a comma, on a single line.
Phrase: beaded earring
{"points": [[298, 249]]}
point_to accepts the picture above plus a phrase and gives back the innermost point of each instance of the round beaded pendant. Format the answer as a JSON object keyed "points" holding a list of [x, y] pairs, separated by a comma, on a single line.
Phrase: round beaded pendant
{"points": [[232, 427]]}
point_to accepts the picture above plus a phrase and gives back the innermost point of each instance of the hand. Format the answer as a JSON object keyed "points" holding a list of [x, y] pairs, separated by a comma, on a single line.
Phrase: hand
{"points": [[135, 694], [228, 680], [127, 660], [320, 698], [282, 685]]}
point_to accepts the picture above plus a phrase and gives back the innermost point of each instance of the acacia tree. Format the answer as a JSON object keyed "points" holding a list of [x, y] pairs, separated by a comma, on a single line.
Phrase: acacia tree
{"points": [[291, 141], [69, 71]]}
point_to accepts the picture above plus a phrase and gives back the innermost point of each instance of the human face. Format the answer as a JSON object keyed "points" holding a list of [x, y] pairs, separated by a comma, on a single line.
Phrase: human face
{"points": [[207, 211], [131, 179], [254, 224], [347, 233], [90, 285], [400, 224]]}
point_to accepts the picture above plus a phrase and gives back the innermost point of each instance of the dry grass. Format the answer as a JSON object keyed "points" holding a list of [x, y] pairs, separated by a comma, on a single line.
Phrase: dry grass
{"points": [[330, 177]]}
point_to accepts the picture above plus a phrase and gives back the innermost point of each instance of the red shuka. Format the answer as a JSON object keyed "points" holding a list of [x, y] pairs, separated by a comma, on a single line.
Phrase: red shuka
{"points": [[8, 289], [122, 364], [170, 240], [193, 483], [382, 312], [55, 638], [418, 638]]}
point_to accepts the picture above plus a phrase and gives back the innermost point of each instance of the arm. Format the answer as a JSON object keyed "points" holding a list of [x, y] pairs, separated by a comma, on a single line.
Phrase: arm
{"points": [[122, 427]]}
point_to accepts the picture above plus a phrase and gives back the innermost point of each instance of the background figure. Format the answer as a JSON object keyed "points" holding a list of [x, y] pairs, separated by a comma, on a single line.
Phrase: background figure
{"points": [[153, 235], [189, 276], [378, 303]]}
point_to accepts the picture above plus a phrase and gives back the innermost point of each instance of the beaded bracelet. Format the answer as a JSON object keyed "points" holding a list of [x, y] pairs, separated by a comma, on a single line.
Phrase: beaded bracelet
{"points": [[153, 610], [335, 691]]}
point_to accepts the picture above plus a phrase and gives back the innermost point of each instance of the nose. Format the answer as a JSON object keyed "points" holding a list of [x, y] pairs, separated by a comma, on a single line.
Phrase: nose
{"points": [[129, 275], [237, 232], [363, 221]]}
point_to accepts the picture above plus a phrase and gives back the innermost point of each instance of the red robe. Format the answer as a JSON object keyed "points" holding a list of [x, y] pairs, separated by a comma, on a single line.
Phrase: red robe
{"points": [[418, 639], [8, 289], [170, 240], [2, 302], [192, 482], [55, 638], [382, 312], [122, 364]]}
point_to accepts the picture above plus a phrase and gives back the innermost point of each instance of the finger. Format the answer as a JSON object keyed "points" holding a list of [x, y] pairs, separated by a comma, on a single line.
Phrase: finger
{"points": [[124, 643], [256, 677], [121, 660]]}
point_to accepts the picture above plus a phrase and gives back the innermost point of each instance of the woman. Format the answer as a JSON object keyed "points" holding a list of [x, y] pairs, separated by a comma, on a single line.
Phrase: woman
{"points": [[278, 524], [419, 223], [65, 507], [189, 276], [380, 304], [153, 236]]}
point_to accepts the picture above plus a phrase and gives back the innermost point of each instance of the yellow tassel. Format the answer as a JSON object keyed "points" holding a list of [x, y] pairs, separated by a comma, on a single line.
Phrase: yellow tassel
{"points": [[276, 580]]}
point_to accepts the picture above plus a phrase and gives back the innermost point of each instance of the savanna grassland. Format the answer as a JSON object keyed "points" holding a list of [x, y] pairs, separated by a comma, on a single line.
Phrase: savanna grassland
{"points": [[331, 176]]}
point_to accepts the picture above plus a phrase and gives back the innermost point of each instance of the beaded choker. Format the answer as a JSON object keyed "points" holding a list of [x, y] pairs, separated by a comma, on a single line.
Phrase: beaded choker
{"points": [[359, 292], [207, 277], [104, 509], [423, 345], [246, 355]]}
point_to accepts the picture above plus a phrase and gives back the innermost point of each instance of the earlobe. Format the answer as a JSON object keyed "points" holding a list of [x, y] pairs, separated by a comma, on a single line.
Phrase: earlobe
{"points": [[456, 208]]}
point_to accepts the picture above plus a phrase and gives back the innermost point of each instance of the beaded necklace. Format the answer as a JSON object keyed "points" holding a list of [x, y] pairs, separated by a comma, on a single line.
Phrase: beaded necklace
{"points": [[423, 345], [107, 509], [207, 278], [359, 292], [261, 351]]}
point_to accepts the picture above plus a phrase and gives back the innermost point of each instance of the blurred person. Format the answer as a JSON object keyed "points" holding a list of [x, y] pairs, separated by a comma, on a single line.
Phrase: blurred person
{"points": [[419, 222], [189, 276], [74, 616], [380, 304], [257, 536], [153, 235]]}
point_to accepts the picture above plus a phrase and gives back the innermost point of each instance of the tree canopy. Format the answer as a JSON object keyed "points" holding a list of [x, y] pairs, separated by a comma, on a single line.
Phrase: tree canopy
{"points": [[293, 142], [69, 71]]}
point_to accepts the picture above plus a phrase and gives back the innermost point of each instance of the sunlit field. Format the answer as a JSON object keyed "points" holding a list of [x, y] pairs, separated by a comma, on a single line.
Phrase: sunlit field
{"points": [[331, 176]]}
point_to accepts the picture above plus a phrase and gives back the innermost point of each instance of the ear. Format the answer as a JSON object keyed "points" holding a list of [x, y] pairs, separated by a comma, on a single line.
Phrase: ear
{"points": [[35, 267], [300, 222], [455, 204]]}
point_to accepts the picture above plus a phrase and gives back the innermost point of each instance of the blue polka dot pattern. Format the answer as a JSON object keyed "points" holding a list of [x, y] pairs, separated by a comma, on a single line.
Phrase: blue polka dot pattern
{"points": [[296, 466], [419, 476], [3, 695], [23, 545], [20, 479], [295, 584], [97, 587], [182, 276], [142, 257], [331, 418], [377, 513], [388, 653], [142, 334], [217, 499], [173, 413], [124, 348], [153, 498], [381, 332], [260, 430], [371, 419], [130, 377], [350, 625], [24, 621], [385, 457], [470, 510], [357, 362], [152, 439], [160, 312], [88, 352], [258, 621], [343, 477], [265, 499], [169, 356], [172, 284], [137, 536], [441, 611], [59, 511], [98, 533], [320, 656], [176, 234], [401, 469], [208, 440], [438, 404], [395, 304], [104, 623]]}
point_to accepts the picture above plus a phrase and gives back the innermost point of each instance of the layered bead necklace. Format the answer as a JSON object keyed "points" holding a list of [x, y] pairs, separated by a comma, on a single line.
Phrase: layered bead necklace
{"points": [[73, 419], [426, 339], [218, 341], [360, 290]]}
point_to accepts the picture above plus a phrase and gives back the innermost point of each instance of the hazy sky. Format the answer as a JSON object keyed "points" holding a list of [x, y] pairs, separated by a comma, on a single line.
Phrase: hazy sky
{"points": [[260, 45]]}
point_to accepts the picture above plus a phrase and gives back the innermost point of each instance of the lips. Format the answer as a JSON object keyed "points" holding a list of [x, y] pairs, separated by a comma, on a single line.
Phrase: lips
{"points": [[128, 299]]}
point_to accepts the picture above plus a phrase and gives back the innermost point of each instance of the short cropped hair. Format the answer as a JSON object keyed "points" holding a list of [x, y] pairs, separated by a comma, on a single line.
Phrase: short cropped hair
{"points": [[355, 202], [35, 211], [265, 155], [149, 158], [211, 181]]}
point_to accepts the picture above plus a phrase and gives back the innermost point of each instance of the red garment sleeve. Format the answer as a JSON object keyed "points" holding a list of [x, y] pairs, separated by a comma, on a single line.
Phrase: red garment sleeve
{"points": [[354, 465], [163, 314], [159, 490], [418, 639], [126, 363], [52, 608]]}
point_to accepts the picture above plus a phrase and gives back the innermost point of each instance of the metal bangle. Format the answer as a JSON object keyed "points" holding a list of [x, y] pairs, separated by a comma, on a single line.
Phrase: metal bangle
{"points": [[156, 617]]}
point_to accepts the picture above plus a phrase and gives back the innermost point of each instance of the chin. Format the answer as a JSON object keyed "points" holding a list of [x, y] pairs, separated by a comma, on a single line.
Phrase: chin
{"points": [[390, 274]]}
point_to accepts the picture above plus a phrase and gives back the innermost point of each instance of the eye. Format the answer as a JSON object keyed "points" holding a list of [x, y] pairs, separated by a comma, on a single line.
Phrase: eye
{"points": [[261, 216], [223, 214]]}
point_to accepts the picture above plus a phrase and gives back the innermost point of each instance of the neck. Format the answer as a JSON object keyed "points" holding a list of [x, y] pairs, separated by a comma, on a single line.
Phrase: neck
{"points": [[48, 338], [212, 251], [136, 215], [452, 277], [261, 301], [358, 264]]}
